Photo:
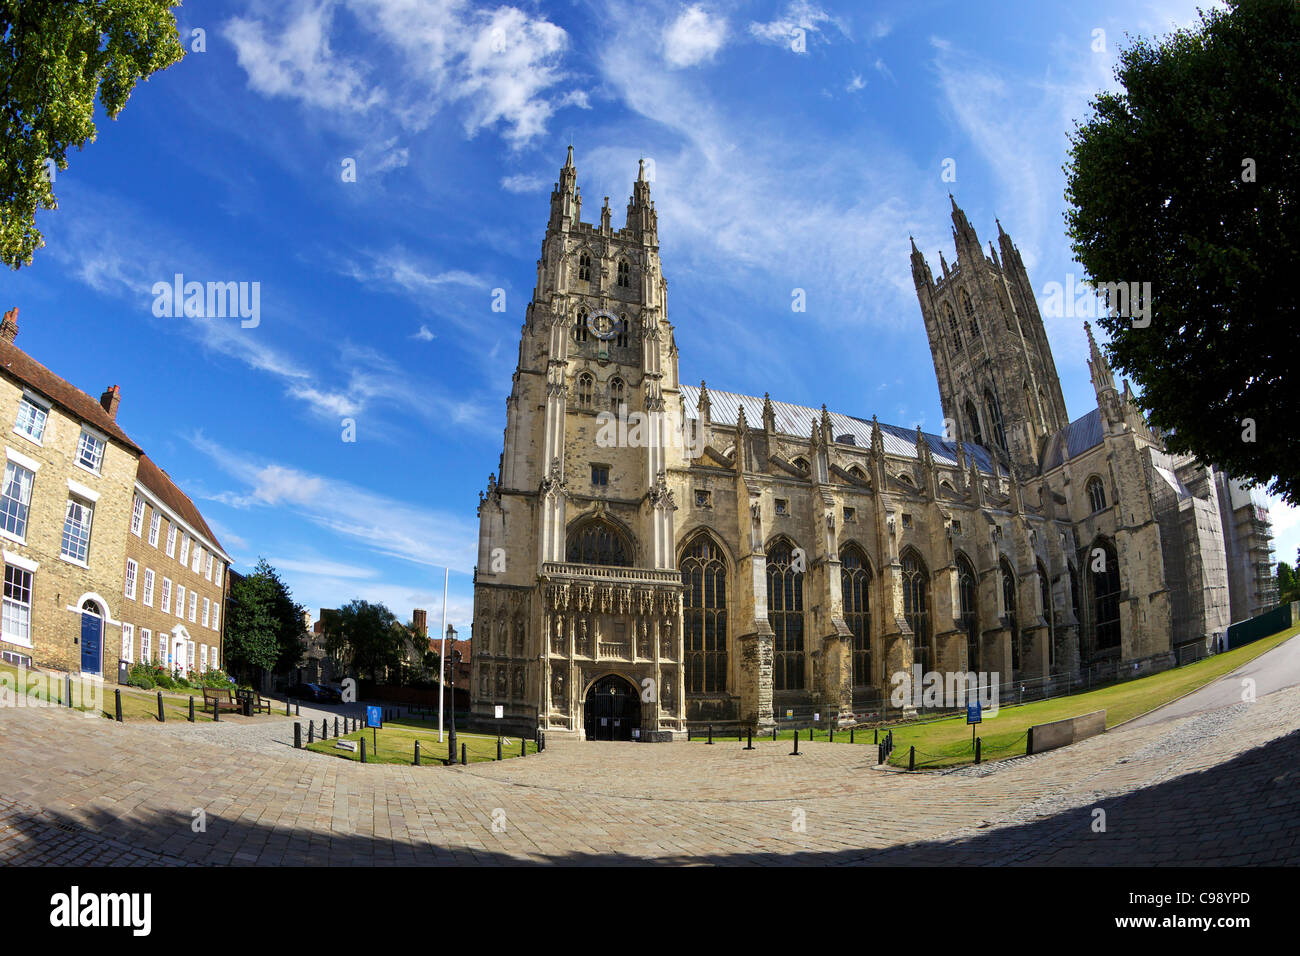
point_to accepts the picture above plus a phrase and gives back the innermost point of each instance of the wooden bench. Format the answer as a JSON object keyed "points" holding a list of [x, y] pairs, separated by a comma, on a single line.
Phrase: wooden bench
{"points": [[259, 703], [221, 697]]}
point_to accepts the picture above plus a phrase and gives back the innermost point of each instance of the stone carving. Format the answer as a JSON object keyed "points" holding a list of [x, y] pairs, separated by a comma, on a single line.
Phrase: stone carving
{"points": [[558, 700]]}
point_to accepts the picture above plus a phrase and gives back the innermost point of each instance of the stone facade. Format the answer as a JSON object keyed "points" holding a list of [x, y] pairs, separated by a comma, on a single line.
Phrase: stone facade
{"points": [[711, 557]]}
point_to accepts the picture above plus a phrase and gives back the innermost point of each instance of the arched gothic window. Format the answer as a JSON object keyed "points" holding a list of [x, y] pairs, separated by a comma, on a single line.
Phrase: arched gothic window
{"points": [[586, 389], [1009, 604], [580, 327], [968, 611], [969, 309], [704, 577], [855, 583], [616, 393], [916, 606], [994, 411], [621, 339], [1103, 566], [624, 274], [973, 418], [584, 267], [598, 542], [801, 464], [785, 614], [953, 328], [1049, 614], [1096, 495]]}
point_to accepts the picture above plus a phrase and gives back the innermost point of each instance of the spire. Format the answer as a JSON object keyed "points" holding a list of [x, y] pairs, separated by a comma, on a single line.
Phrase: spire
{"points": [[877, 441], [641, 215], [827, 427], [920, 268], [1102, 379], [604, 216], [769, 414], [705, 404], [568, 160], [963, 232], [565, 201]]}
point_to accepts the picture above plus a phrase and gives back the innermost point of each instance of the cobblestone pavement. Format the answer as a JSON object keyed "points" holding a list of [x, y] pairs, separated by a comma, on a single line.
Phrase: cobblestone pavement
{"points": [[1218, 787]]}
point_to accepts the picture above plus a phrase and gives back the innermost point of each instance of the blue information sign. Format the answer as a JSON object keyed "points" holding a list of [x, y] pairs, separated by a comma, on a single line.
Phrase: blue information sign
{"points": [[374, 717], [973, 713]]}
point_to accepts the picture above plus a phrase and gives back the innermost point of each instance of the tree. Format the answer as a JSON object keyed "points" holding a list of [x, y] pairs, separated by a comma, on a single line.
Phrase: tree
{"points": [[1288, 581], [264, 627], [57, 56], [369, 635], [1186, 179]]}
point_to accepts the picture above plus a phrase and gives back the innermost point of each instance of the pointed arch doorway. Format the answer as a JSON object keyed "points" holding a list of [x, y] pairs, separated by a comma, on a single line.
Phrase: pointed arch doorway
{"points": [[612, 709]]}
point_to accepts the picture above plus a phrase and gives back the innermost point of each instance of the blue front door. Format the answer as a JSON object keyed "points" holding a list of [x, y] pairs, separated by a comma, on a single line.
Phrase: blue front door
{"points": [[92, 640]]}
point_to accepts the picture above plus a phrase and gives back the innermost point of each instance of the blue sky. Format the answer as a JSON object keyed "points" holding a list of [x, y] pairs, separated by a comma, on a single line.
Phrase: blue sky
{"points": [[775, 168]]}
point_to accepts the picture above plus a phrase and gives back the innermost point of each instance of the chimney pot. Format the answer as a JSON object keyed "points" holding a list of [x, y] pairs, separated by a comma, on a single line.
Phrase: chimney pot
{"points": [[9, 325], [111, 398]]}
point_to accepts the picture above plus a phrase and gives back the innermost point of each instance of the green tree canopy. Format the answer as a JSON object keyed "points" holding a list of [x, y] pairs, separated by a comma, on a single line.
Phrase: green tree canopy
{"points": [[264, 627], [57, 55], [368, 635], [1186, 179]]}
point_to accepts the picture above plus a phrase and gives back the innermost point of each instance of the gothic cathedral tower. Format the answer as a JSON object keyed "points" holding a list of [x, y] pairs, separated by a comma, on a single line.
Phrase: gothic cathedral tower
{"points": [[997, 380], [593, 403]]}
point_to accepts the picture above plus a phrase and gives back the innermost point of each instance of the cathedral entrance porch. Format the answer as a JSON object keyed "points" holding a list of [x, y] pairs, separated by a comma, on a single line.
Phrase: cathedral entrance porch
{"points": [[612, 709]]}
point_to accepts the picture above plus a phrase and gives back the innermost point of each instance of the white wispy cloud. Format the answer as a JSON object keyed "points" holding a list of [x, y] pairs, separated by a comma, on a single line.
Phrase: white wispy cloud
{"points": [[383, 525], [523, 183], [800, 21], [502, 67], [695, 36], [423, 334]]}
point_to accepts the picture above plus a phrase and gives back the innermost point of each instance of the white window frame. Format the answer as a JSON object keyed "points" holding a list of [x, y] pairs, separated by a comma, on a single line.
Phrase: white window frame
{"points": [[207, 609], [88, 514], [15, 610], [25, 506], [146, 645], [137, 516], [128, 642], [194, 606], [38, 405], [180, 600], [216, 606], [155, 522], [171, 539], [189, 655], [132, 572], [217, 572], [146, 595], [165, 605], [207, 565], [100, 441], [203, 658], [185, 549]]}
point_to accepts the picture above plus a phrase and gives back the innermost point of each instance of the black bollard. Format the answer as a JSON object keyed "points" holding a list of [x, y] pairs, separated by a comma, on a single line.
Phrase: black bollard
{"points": [[795, 752], [498, 748], [851, 729], [749, 745], [451, 751], [297, 735], [311, 731], [216, 709], [710, 733], [978, 742], [875, 736], [117, 694], [774, 733], [297, 709], [417, 753], [688, 733], [69, 699], [523, 746], [463, 761], [911, 758], [161, 717], [831, 737], [286, 707], [363, 748], [336, 726], [191, 710]]}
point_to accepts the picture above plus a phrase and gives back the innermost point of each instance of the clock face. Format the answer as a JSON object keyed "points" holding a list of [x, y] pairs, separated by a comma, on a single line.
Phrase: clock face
{"points": [[603, 324]]}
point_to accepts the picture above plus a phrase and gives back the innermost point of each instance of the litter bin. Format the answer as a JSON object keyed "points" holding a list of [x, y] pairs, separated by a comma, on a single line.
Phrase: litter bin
{"points": [[123, 672]]}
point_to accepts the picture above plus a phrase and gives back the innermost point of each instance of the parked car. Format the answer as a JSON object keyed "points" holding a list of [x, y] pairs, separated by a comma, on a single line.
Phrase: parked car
{"points": [[312, 692], [333, 695]]}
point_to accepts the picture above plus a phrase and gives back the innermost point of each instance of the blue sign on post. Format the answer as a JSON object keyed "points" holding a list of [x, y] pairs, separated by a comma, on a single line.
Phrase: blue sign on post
{"points": [[973, 713], [374, 717]]}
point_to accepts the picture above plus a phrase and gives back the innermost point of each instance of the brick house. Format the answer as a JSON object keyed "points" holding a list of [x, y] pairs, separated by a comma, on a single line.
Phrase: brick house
{"points": [[75, 487]]}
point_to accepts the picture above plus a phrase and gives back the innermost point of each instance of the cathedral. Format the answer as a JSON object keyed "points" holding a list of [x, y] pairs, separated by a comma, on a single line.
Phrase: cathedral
{"points": [[655, 556]]}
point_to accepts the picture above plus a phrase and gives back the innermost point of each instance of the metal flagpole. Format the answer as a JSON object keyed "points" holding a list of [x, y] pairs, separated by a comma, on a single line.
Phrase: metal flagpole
{"points": [[442, 656]]}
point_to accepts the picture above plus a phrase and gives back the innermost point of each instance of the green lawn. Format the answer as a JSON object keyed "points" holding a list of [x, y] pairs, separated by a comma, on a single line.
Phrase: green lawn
{"points": [[137, 704], [396, 744], [947, 743]]}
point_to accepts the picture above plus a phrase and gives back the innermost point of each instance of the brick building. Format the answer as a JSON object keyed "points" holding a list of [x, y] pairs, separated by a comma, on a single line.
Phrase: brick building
{"points": [[78, 504]]}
